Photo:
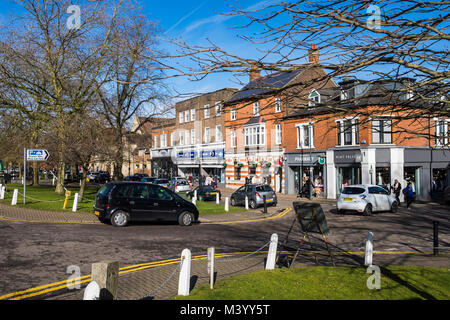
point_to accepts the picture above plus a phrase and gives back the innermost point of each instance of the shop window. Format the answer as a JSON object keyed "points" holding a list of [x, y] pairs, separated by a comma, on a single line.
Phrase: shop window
{"points": [[440, 181], [383, 177], [412, 174]]}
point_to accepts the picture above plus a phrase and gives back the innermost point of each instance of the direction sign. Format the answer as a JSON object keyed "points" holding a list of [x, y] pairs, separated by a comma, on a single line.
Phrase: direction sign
{"points": [[37, 155]]}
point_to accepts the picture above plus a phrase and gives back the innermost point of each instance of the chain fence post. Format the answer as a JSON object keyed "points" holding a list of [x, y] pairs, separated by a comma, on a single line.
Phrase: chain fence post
{"points": [[227, 207], [271, 256], [75, 203], [14, 198], [368, 258], [185, 273]]}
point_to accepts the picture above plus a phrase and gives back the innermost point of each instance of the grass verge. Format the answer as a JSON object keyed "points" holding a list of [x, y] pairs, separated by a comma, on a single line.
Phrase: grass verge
{"points": [[330, 283]]}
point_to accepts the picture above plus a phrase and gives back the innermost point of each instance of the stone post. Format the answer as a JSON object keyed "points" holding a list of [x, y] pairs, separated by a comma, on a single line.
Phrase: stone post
{"points": [[106, 274]]}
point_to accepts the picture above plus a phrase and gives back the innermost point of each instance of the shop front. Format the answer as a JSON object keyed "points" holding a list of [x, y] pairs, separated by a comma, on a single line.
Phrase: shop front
{"points": [[348, 168], [162, 163], [300, 168]]}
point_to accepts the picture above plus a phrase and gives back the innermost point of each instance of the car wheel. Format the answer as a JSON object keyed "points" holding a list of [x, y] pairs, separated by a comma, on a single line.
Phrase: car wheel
{"points": [[253, 204], [186, 219], [340, 211], [120, 218], [394, 207], [233, 202], [368, 210]]}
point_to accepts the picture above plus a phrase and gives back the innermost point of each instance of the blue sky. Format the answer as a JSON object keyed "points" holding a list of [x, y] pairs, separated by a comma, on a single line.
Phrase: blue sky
{"points": [[194, 21]]}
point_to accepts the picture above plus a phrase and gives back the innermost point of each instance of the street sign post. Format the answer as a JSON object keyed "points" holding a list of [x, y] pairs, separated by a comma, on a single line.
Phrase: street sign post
{"points": [[31, 155]]}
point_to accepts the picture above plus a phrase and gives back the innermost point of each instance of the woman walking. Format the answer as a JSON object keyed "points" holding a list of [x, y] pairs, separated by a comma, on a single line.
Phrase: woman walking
{"points": [[409, 195]]}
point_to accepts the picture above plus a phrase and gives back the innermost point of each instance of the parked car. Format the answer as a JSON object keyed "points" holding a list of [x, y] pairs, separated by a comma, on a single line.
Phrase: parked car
{"points": [[180, 185], [148, 179], [366, 199], [255, 194], [204, 193], [133, 178], [123, 202], [162, 182]]}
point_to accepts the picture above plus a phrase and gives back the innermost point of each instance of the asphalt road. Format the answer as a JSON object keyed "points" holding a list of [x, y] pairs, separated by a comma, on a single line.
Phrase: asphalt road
{"points": [[37, 254]]}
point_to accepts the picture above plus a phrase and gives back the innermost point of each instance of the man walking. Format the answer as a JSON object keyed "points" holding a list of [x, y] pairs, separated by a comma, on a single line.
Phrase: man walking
{"points": [[409, 195], [396, 189]]}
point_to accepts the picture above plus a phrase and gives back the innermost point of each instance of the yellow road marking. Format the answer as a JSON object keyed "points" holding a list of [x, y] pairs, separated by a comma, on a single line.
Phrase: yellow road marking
{"points": [[281, 214]]}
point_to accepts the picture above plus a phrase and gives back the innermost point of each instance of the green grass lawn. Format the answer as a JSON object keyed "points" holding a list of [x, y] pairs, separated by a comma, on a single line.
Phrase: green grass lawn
{"points": [[54, 202], [45, 198], [330, 283]]}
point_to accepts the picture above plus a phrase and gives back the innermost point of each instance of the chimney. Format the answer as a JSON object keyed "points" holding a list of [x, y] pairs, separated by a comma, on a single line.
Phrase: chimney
{"points": [[313, 54], [255, 73]]}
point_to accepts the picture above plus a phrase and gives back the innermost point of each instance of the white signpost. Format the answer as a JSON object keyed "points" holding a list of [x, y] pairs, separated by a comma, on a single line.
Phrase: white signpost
{"points": [[31, 155]]}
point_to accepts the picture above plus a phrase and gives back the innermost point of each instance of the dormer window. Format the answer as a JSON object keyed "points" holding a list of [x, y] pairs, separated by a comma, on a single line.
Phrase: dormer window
{"points": [[314, 97]]}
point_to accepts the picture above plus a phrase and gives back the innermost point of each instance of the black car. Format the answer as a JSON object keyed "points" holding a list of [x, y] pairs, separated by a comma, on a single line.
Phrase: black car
{"points": [[204, 193], [124, 202]]}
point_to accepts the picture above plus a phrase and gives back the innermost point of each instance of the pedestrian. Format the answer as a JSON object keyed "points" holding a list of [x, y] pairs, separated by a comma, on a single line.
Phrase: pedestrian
{"points": [[409, 195], [396, 188]]}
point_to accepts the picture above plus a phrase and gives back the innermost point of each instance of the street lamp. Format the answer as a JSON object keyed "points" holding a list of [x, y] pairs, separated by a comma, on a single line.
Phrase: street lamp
{"points": [[371, 174]]}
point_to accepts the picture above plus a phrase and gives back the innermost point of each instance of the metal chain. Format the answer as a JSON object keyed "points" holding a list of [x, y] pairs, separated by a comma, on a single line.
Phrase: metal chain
{"points": [[152, 293], [243, 257]]}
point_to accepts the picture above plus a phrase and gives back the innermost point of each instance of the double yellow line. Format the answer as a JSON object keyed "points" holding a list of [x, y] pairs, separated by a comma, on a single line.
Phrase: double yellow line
{"points": [[281, 214]]}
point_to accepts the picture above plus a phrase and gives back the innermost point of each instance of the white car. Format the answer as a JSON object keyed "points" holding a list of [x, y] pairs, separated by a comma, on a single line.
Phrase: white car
{"points": [[366, 199]]}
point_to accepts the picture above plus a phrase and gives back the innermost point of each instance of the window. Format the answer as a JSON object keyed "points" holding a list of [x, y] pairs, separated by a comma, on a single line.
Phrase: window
{"points": [[278, 104], [254, 135], [218, 133], [187, 136], [314, 97], [139, 191], [218, 108], [193, 136], [233, 138], [278, 134], [207, 135], [192, 114], [347, 132], [186, 116], [256, 109], [163, 140], [441, 128], [123, 191], [207, 110], [181, 138], [382, 131], [159, 193], [233, 114], [305, 135], [155, 142], [181, 115], [172, 139]]}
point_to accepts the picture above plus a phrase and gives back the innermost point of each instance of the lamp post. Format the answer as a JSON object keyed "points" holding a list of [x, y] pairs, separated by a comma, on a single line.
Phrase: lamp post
{"points": [[371, 174]]}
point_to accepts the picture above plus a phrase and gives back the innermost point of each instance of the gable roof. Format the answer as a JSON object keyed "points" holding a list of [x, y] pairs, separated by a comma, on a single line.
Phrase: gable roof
{"points": [[264, 86]]}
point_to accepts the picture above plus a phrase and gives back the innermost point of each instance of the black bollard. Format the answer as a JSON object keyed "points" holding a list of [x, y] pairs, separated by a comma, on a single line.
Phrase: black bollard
{"points": [[435, 238], [265, 204]]}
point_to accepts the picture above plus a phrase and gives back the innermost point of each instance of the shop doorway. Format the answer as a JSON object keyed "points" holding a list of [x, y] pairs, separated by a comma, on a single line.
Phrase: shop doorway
{"points": [[347, 176], [412, 174]]}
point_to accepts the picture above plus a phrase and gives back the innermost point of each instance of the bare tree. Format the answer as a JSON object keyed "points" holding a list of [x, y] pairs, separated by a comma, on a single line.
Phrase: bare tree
{"points": [[380, 41]]}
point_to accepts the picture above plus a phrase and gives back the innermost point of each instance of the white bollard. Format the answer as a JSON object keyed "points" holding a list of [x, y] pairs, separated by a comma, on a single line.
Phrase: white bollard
{"points": [[53, 182], [194, 201], [195, 194], [92, 291], [75, 203], [271, 256], [217, 198], [211, 254], [2, 193], [227, 207], [246, 203], [369, 250], [184, 281], [14, 198]]}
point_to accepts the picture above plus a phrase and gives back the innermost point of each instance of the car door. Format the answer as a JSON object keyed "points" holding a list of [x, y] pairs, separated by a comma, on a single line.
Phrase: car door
{"points": [[163, 205], [140, 204], [240, 195], [374, 199], [385, 200]]}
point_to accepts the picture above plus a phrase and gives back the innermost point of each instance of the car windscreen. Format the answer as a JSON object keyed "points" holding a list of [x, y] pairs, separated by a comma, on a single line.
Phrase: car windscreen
{"points": [[264, 189], [353, 190], [105, 190]]}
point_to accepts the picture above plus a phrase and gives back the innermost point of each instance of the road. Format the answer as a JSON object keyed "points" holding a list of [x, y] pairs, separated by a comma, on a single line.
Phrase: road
{"points": [[34, 254]]}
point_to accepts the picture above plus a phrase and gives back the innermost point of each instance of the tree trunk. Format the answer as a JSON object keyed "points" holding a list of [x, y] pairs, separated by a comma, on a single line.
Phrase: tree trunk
{"points": [[35, 174], [60, 182], [83, 183]]}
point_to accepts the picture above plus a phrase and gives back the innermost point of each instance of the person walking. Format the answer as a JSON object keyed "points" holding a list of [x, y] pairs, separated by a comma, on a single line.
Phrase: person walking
{"points": [[409, 195], [396, 189]]}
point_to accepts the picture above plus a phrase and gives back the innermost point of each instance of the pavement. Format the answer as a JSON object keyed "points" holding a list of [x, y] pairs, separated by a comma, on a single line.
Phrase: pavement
{"points": [[158, 280]]}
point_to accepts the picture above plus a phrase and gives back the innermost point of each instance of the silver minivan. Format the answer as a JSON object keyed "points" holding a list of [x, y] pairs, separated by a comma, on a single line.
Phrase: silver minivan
{"points": [[256, 194]]}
